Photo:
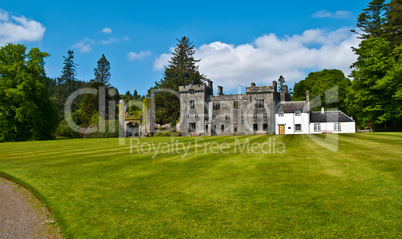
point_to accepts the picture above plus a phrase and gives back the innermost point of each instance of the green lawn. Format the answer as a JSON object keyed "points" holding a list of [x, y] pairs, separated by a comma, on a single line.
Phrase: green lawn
{"points": [[97, 189]]}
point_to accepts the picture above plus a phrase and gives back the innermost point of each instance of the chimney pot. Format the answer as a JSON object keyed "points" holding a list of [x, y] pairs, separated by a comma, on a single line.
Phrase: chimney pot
{"points": [[274, 85], [220, 90]]}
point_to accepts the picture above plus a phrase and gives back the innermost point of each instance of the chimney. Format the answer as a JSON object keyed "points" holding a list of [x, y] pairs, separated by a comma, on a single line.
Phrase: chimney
{"points": [[210, 84], [252, 84], [307, 96], [220, 90], [322, 110], [285, 89], [274, 85]]}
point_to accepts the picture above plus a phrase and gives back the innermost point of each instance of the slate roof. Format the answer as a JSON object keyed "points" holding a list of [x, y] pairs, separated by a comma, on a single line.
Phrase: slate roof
{"points": [[292, 106], [329, 116]]}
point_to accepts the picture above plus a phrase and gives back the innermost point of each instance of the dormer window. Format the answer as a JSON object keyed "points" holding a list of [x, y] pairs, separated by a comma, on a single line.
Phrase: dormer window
{"points": [[297, 112], [281, 112], [191, 92]]}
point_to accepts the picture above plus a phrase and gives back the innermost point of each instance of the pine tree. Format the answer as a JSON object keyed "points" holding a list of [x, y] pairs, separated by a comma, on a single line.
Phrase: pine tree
{"points": [[393, 24], [135, 95], [182, 70], [102, 71], [281, 82], [66, 83], [371, 20]]}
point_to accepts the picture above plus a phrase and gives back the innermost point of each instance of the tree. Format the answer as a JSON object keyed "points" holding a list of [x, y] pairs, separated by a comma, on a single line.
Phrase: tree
{"points": [[182, 70], [26, 111], [376, 91], [318, 83], [371, 20], [102, 71], [66, 83], [393, 24], [128, 94], [90, 103], [281, 82], [135, 95]]}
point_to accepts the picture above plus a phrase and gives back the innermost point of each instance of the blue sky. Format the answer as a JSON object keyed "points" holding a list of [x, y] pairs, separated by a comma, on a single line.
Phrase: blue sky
{"points": [[238, 42]]}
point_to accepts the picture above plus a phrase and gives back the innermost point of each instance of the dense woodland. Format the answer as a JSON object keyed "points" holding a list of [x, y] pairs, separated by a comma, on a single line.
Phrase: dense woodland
{"points": [[32, 105]]}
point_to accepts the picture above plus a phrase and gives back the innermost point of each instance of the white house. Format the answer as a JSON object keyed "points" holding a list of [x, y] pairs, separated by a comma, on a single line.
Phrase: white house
{"points": [[295, 117], [292, 117], [331, 122]]}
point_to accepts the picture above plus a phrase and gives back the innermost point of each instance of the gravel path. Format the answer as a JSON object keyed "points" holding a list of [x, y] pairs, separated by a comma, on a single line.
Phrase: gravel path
{"points": [[22, 215]]}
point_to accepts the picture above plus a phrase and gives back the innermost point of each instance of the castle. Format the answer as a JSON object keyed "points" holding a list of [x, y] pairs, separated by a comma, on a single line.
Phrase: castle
{"points": [[202, 113], [261, 110]]}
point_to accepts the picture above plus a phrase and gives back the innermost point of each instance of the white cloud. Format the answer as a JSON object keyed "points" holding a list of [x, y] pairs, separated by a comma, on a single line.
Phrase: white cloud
{"points": [[268, 57], [18, 29], [337, 14], [132, 56], [106, 30], [85, 45], [109, 41]]}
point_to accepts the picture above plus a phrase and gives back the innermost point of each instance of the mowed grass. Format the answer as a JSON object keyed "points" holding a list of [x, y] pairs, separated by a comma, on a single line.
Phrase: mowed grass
{"points": [[97, 189]]}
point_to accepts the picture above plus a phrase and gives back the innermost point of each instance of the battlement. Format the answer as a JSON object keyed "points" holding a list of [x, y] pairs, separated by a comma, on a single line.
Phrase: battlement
{"points": [[259, 89], [198, 88], [230, 97]]}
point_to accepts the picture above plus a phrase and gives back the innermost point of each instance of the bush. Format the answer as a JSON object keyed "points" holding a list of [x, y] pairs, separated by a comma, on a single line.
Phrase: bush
{"points": [[105, 134], [166, 133]]}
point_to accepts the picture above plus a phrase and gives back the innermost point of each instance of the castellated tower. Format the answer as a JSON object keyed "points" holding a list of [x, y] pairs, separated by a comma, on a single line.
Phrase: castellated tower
{"points": [[202, 113]]}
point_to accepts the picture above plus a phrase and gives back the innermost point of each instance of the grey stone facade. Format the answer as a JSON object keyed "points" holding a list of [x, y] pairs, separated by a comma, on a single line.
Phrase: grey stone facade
{"points": [[202, 113]]}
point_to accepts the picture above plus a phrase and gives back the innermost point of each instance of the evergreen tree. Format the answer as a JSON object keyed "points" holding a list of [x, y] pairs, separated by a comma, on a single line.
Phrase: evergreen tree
{"points": [[135, 95], [66, 83], [393, 24], [102, 71], [371, 20], [128, 94], [281, 82], [182, 70], [90, 103]]}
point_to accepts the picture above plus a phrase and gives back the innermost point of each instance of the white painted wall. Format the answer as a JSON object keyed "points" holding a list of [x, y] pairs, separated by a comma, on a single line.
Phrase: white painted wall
{"points": [[289, 120], [346, 127]]}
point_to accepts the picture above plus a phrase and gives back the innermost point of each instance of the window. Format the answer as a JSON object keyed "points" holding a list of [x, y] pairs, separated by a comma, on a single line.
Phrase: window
{"points": [[216, 105], [281, 113], [259, 104], [222, 128], [196, 116], [297, 112], [192, 92], [337, 126], [236, 104], [191, 127], [265, 115], [317, 127], [265, 127], [206, 128], [192, 104], [255, 115], [187, 116], [255, 127], [298, 127], [235, 129], [227, 117]]}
